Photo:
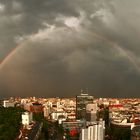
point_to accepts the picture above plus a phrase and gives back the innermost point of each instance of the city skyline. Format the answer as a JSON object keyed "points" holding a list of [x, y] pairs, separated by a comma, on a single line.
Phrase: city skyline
{"points": [[55, 48]]}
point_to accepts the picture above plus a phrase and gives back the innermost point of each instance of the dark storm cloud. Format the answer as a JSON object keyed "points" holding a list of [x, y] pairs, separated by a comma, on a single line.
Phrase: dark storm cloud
{"points": [[68, 45], [21, 18]]}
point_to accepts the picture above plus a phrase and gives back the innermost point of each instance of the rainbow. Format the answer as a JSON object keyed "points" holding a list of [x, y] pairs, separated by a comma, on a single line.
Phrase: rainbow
{"points": [[10, 54], [125, 53]]}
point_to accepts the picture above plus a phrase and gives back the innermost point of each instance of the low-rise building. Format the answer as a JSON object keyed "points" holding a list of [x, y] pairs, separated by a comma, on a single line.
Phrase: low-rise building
{"points": [[7, 103], [55, 115]]}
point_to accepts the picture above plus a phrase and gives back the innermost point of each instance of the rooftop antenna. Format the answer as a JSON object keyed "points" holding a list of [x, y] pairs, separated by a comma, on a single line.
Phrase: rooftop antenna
{"points": [[81, 91], [87, 90]]}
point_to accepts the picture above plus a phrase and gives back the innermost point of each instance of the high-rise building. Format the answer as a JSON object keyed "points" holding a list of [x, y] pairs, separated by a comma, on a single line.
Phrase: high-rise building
{"points": [[81, 101], [93, 132]]}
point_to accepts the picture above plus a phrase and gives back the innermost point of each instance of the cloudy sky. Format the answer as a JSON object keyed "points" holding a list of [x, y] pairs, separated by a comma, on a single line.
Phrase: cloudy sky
{"points": [[57, 47]]}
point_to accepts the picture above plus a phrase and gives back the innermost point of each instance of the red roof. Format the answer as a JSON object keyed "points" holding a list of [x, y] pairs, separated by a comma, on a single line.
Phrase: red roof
{"points": [[115, 106], [73, 132]]}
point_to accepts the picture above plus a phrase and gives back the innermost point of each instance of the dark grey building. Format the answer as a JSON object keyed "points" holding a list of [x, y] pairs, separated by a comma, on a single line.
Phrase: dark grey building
{"points": [[81, 101]]}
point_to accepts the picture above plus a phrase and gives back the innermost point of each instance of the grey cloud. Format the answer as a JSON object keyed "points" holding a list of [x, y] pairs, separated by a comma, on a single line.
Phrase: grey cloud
{"points": [[62, 66], [98, 49]]}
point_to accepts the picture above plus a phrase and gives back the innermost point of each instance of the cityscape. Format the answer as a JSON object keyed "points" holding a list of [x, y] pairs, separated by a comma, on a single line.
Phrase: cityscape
{"points": [[83, 117], [69, 69]]}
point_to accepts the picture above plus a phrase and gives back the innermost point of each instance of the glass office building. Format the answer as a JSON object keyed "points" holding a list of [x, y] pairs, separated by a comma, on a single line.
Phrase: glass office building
{"points": [[81, 101]]}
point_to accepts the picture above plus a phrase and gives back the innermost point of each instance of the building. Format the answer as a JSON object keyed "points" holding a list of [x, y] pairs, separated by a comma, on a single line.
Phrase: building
{"points": [[27, 118], [47, 112], [34, 107], [81, 102], [55, 115], [91, 112], [76, 124], [7, 103], [95, 131], [73, 128]]}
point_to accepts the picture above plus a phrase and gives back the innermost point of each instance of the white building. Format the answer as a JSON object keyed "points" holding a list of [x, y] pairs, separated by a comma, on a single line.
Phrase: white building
{"points": [[55, 115], [61, 118], [27, 118], [84, 134], [7, 103], [93, 132]]}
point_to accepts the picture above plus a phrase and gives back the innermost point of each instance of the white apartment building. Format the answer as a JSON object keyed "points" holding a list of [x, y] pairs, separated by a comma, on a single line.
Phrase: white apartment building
{"points": [[27, 118], [93, 132], [7, 103]]}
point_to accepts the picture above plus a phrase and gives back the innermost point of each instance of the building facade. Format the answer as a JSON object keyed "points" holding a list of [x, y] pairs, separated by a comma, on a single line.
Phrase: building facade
{"points": [[7, 103], [93, 132], [27, 118], [81, 102], [91, 112]]}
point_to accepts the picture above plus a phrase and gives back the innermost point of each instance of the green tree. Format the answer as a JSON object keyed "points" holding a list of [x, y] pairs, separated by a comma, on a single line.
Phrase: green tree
{"points": [[10, 120]]}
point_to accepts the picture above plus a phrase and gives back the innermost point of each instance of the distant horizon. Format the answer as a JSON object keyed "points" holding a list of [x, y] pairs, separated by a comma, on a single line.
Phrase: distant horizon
{"points": [[96, 97]]}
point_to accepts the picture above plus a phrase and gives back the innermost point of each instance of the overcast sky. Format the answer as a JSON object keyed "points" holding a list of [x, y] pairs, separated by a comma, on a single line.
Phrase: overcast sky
{"points": [[57, 47]]}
